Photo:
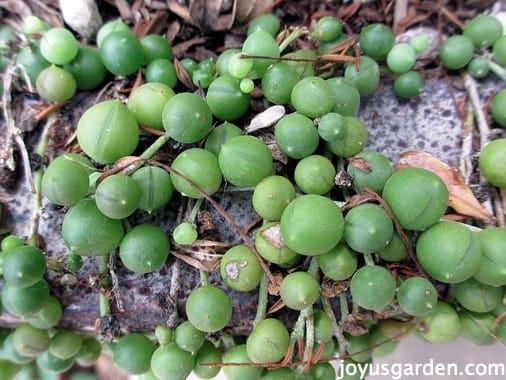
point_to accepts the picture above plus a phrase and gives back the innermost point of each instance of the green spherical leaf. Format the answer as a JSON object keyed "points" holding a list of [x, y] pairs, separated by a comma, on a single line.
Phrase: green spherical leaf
{"points": [[376, 40], [84, 220], [478, 297], [366, 80], [108, 131], [346, 97], [185, 233], [171, 363], [315, 174], [367, 228], [187, 118], [370, 169], [23, 266], [270, 246], [121, 53], [312, 97], [296, 135], [312, 224], [498, 108], [65, 344], [147, 102], [156, 187], [220, 135], [24, 302], [442, 325], [188, 338], [417, 296], [55, 84], [199, 166], [144, 248], [456, 52], [417, 197], [271, 196], [483, 31], [208, 308], [65, 181], [208, 353], [492, 267], [87, 68], [339, 263], [299, 290], [133, 353], [30, 341], [245, 161], [372, 287], [225, 98], [240, 269], [268, 342], [59, 46], [238, 354], [351, 139], [449, 252], [118, 196]]}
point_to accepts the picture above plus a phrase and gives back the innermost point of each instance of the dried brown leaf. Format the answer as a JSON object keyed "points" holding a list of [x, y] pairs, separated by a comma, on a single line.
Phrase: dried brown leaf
{"points": [[278, 305], [461, 198], [202, 254], [182, 74], [274, 287], [360, 163]]}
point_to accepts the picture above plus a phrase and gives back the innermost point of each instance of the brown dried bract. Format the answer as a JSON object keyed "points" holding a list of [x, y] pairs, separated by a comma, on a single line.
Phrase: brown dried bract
{"points": [[331, 288], [202, 254]]}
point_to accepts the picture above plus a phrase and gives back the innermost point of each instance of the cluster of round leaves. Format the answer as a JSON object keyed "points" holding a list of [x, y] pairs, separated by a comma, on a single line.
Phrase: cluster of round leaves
{"points": [[26, 295], [302, 219]]}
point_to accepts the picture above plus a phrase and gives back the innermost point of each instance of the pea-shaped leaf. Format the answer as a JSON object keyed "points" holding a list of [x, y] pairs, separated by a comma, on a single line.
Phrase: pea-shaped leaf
{"points": [[108, 131]]}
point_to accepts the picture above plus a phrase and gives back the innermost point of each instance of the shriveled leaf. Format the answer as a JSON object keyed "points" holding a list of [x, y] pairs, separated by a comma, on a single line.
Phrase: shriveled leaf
{"points": [[274, 287], [278, 305], [461, 198], [266, 118], [277, 154], [202, 254], [360, 163], [182, 74]]}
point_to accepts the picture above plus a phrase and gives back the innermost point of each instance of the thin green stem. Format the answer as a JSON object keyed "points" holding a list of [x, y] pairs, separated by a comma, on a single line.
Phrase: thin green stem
{"points": [[497, 70], [369, 260], [37, 184], [204, 278], [103, 267], [343, 307], [309, 333], [195, 210], [336, 329], [263, 296], [314, 267], [155, 147]]}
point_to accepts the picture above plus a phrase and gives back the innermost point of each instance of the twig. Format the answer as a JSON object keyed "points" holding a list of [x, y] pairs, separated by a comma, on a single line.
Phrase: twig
{"points": [[13, 132], [115, 283], [483, 127], [49, 110], [37, 180], [466, 166], [173, 291]]}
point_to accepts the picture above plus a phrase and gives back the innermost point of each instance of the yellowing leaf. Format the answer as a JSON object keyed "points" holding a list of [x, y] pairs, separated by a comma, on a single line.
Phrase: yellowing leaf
{"points": [[461, 198]]}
